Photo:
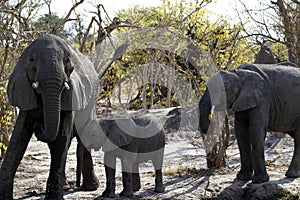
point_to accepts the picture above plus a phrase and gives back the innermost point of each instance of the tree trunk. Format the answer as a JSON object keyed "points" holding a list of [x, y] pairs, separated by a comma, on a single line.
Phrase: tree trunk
{"points": [[216, 158]]}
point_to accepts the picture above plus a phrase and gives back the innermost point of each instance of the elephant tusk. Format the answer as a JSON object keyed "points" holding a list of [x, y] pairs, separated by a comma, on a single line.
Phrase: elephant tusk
{"points": [[212, 111], [35, 85], [66, 86]]}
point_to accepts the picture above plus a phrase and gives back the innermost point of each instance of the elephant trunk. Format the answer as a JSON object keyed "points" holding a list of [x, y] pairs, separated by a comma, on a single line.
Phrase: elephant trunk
{"points": [[51, 96], [205, 111]]}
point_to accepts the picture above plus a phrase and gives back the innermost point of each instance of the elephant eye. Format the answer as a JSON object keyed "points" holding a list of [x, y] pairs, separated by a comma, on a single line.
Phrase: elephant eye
{"points": [[31, 59], [68, 62], [68, 67]]}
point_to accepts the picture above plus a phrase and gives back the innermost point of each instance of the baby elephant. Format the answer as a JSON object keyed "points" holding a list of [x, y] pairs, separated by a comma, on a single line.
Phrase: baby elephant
{"points": [[133, 140]]}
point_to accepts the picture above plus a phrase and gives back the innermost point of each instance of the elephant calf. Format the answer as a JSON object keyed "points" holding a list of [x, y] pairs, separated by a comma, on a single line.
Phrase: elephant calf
{"points": [[133, 140]]}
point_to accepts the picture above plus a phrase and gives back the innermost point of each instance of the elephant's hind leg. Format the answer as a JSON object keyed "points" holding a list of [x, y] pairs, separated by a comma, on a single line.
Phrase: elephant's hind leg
{"points": [[158, 162], [90, 180], [86, 167], [127, 177], [16, 149], [136, 181], [294, 168]]}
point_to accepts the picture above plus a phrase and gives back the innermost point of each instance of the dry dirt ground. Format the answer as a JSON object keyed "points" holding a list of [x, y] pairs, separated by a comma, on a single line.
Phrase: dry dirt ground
{"points": [[185, 172]]}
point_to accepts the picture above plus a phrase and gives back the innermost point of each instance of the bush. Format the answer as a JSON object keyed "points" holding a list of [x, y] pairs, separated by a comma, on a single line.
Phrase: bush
{"points": [[6, 118]]}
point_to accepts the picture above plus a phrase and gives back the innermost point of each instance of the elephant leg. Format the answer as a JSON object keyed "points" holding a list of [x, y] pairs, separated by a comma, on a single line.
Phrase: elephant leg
{"points": [[136, 181], [66, 183], [79, 157], [158, 162], [159, 187], [127, 184], [128, 156], [258, 125], [90, 180], [294, 168], [110, 172], [17, 146], [58, 152], [243, 140], [127, 177], [86, 166]]}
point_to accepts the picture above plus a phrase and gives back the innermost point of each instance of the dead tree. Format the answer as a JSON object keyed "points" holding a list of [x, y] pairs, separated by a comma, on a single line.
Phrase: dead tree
{"points": [[277, 21]]}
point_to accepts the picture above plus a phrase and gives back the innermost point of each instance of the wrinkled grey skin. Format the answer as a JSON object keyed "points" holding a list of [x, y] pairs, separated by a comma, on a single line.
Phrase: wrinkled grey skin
{"points": [[263, 97], [54, 86], [133, 140]]}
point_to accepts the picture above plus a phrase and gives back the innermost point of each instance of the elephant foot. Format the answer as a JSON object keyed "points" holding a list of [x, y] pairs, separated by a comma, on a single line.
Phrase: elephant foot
{"points": [[6, 186], [6, 196], [91, 185], [159, 189], [53, 198], [136, 183], [292, 173], [6, 189], [244, 175], [136, 187], [54, 195], [126, 193], [108, 193], [260, 178], [49, 198], [6, 192]]}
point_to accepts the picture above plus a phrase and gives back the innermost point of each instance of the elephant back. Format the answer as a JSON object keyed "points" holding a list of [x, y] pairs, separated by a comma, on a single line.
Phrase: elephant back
{"points": [[122, 130]]}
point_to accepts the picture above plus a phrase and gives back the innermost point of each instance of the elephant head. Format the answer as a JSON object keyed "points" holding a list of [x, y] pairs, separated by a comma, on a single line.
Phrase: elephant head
{"points": [[238, 90], [49, 75]]}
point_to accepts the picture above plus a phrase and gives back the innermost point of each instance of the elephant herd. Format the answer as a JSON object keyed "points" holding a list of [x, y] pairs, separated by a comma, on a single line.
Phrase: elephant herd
{"points": [[55, 87]]}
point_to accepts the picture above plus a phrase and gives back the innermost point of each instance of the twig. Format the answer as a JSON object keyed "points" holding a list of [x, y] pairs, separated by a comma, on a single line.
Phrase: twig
{"points": [[66, 18], [202, 4], [82, 45]]}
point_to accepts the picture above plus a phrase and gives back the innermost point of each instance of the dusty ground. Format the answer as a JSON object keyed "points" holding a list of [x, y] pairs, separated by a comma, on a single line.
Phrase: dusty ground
{"points": [[186, 175]]}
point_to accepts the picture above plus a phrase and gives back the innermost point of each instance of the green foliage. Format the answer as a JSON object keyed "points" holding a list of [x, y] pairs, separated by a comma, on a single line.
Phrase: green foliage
{"points": [[280, 50], [217, 39], [47, 22], [6, 118], [222, 40], [6, 111]]}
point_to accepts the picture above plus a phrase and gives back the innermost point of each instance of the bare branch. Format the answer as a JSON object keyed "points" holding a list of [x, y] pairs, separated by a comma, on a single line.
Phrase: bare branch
{"points": [[82, 45], [201, 5], [66, 18]]}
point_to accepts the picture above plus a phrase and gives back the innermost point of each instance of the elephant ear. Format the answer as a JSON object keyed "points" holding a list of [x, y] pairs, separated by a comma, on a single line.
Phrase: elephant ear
{"points": [[253, 91], [120, 132], [83, 83], [19, 90]]}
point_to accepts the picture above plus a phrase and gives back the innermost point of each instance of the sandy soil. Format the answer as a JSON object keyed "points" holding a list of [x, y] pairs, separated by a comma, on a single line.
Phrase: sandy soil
{"points": [[186, 175]]}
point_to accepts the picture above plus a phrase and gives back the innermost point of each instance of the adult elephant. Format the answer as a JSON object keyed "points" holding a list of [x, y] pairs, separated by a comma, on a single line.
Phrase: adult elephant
{"points": [[263, 97], [54, 87]]}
